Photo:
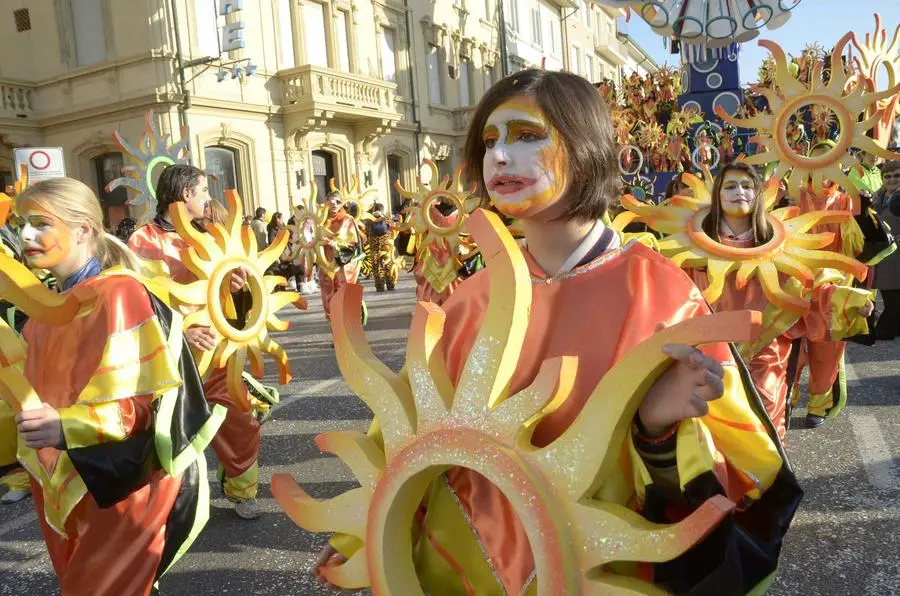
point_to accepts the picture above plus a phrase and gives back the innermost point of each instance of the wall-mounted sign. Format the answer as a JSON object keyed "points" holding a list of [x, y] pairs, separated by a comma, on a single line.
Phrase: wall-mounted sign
{"points": [[233, 31], [41, 163]]}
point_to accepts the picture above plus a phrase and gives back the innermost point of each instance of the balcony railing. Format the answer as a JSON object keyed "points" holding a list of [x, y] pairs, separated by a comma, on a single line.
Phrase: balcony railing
{"points": [[611, 48], [16, 100], [314, 86]]}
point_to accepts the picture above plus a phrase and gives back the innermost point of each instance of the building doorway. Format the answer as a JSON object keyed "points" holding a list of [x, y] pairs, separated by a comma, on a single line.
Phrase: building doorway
{"points": [[223, 167], [395, 165], [108, 167], [323, 172]]}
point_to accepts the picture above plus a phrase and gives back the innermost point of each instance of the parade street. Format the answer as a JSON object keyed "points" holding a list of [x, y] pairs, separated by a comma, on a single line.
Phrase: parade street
{"points": [[844, 540]]}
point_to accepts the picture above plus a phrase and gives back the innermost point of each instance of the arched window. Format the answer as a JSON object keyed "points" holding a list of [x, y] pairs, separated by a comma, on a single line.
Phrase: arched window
{"points": [[108, 167], [223, 166]]}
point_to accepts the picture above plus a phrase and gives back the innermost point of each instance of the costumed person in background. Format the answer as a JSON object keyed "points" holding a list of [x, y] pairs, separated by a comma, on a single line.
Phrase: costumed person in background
{"points": [[541, 146], [381, 249], [738, 219], [827, 387], [237, 442], [346, 250], [14, 482], [119, 507], [887, 273], [125, 229]]}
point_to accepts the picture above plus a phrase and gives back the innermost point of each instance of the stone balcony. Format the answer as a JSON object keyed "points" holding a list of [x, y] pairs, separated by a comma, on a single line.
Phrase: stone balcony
{"points": [[315, 95], [611, 48], [461, 117], [16, 100]]}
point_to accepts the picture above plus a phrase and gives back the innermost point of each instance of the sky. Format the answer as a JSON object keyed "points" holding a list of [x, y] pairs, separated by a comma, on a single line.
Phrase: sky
{"points": [[822, 21]]}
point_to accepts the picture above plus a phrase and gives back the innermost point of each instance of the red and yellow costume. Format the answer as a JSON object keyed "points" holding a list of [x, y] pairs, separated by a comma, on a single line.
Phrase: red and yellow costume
{"points": [[238, 441], [437, 264], [127, 495], [346, 236]]}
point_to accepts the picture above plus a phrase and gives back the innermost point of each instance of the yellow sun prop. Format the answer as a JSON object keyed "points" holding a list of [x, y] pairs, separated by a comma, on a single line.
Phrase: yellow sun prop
{"points": [[364, 198], [311, 234], [430, 233], [430, 425], [791, 250], [791, 95], [874, 55], [212, 257]]}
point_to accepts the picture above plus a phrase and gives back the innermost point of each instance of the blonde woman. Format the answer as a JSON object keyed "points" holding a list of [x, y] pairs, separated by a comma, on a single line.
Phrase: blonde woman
{"points": [[123, 416]]}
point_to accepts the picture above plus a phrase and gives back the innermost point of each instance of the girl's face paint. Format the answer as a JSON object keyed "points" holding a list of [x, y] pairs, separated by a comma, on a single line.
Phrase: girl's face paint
{"points": [[525, 160], [46, 239], [738, 194]]}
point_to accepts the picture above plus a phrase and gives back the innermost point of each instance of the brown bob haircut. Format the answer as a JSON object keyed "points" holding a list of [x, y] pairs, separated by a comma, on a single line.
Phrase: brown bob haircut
{"points": [[762, 229], [173, 181], [575, 108]]}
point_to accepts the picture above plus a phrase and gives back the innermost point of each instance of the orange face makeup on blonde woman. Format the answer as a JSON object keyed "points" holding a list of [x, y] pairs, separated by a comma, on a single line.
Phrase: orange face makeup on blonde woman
{"points": [[46, 239], [525, 161]]}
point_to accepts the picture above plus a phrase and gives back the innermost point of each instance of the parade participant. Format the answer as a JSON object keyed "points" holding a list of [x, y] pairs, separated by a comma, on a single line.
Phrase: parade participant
{"points": [[122, 404], [237, 442], [738, 219], [381, 249], [541, 146], [887, 273], [345, 250], [13, 477]]}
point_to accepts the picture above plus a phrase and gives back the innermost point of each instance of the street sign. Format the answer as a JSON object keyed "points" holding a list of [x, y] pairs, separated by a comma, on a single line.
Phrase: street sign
{"points": [[41, 163]]}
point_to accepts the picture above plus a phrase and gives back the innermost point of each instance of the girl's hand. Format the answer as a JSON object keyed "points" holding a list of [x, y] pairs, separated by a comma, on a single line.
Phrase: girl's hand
{"points": [[41, 428], [201, 338], [866, 310], [329, 557], [682, 391]]}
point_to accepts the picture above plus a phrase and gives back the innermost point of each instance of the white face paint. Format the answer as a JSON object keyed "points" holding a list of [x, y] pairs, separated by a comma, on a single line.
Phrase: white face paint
{"points": [[525, 164], [738, 194]]}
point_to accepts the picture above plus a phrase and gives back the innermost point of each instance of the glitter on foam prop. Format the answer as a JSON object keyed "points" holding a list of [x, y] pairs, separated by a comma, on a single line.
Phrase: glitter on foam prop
{"points": [[311, 234], [712, 23], [211, 257], [849, 104], [791, 251], [430, 233], [877, 55], [428, 425], [154, 151]]}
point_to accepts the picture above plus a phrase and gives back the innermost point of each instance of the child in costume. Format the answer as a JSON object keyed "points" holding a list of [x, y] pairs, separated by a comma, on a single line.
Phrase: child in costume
{"points": [[541, 146], [115, 453], [237, 442], [738, 219], [344, 251]]}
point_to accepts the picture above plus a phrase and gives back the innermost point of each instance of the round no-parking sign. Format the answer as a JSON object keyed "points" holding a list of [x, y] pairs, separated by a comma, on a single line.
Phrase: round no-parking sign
{"points": [[41, 163]]}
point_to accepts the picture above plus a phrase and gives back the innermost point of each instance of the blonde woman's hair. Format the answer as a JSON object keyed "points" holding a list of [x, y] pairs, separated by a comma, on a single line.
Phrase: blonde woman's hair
{"points": [[75, 203], [218, 213]]}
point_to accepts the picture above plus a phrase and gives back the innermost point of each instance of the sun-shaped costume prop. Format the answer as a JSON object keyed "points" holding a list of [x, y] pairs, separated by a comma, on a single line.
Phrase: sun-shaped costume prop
{"points": [[791, 251], [791, 95], [212, 257], [433, 237], [311, 235], [876, 55], [354, 193], [429, 425], [154, 151]]}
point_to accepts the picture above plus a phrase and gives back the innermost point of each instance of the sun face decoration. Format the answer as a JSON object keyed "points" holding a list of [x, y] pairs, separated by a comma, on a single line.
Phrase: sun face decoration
{"points": [[153, 152], [364, 198], [874, 55], [431, 233], [311, 234], [791, 95], [791, 251], [212, 257], [429, 425]]}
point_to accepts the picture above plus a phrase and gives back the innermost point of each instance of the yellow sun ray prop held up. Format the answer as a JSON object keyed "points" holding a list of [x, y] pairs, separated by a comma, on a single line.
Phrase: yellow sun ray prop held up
{"points": [[791, 251], [311, 234], [875, 54], [429, 425], [212, 257], [849, 104]]}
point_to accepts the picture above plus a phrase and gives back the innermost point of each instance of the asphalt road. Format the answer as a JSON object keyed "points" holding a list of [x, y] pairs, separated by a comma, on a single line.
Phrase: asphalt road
{"points": [[845, 539]]}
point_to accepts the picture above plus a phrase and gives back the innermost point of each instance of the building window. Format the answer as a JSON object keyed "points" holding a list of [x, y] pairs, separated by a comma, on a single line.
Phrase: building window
{"points": [[488, 9], [511, 14], [388, 56], [465, 83], [435, 76], [223, 167], [395, 165], [108, 167], [206, 18], [286, 34], [87, 23], [343, 40], [536, 36], [555, 38], [586, 14], [313, 18], [574, 59], [589, 67]]}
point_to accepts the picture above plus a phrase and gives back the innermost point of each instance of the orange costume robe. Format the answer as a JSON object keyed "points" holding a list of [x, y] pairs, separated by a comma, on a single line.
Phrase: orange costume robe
{"points": [[238, 440], [112, 518], [825, 358], [437, 257], [468, 539], [343, 226]]}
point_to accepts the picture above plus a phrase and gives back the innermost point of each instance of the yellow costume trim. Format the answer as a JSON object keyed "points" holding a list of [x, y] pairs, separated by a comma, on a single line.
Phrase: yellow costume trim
{"points": [[428, 425], [820, 403], [243, 486], [791, 95], [17, 480], [90, 424], [7, 434], [845, 305]]}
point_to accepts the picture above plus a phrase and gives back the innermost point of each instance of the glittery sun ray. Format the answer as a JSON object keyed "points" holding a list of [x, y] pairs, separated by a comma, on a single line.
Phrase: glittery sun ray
{"points": [[311, 234], [793, 95]]}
